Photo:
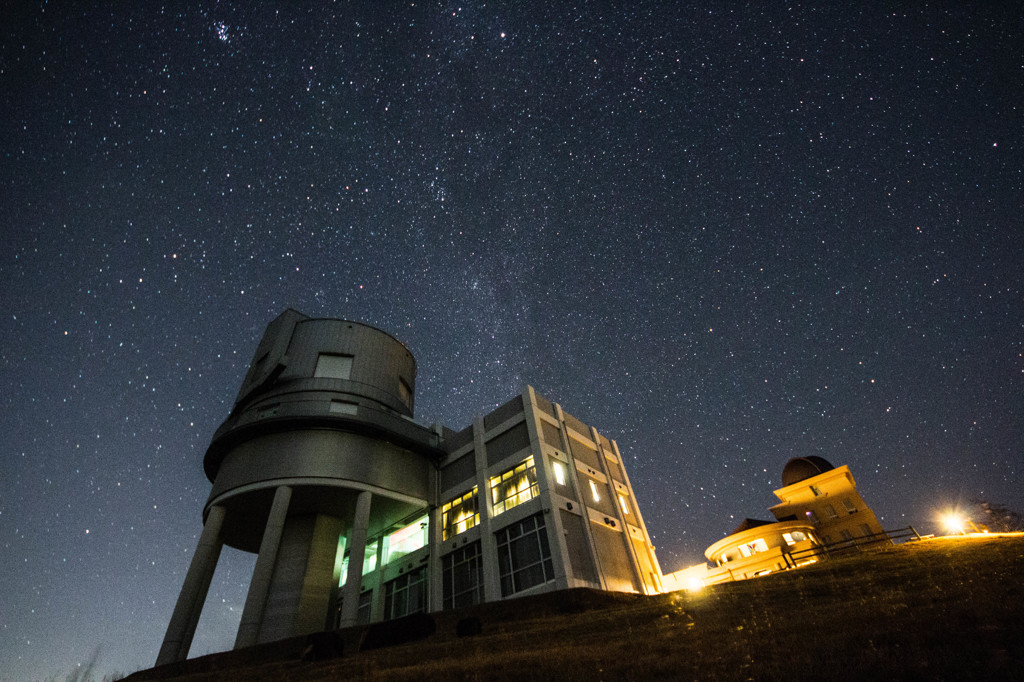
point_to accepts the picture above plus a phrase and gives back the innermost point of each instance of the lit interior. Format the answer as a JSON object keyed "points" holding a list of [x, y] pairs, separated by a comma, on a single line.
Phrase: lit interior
{"points": [[406, 540], [514, 486], [459, 515]]}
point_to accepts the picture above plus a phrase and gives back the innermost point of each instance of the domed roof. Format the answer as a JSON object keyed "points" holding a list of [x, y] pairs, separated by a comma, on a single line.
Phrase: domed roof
{"points": [[801, 468]]}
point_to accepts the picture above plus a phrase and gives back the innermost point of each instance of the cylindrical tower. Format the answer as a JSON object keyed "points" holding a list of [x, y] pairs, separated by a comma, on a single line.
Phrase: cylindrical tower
{"points": [[319, 451]]}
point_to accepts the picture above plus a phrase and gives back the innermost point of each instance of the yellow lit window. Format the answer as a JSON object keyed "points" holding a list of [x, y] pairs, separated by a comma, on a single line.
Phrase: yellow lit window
{"points": [[459, 515], [515, 486], [624, 504], [593, 491]]}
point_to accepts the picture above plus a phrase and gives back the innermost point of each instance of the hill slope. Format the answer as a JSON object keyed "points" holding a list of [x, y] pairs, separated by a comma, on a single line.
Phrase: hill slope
{"points": [[948, 608]]}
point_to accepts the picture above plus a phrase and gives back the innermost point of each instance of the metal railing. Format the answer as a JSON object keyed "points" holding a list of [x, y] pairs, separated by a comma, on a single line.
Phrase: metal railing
{"points": [[847, 546]]}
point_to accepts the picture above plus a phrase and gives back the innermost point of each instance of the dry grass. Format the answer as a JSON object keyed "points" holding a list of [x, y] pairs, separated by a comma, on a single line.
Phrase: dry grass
{"points": [[940, 609]]}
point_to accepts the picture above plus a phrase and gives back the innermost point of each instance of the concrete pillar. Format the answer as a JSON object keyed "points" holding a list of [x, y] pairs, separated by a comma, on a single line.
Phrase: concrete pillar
{"points": [[252, 614], [488, 543], [183, 623], [357, 552], [318, 588]]}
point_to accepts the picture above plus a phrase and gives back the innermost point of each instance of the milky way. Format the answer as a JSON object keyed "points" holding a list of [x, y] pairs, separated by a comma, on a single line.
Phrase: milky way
{"points": [[723, 237]]}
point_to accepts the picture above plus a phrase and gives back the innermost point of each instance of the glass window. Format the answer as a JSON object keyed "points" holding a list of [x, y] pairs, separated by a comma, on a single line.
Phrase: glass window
{"points": [[624, 503], [460, 515], [365, 605], [816, 490], [788, 537], [406, 594], [524, 557], [866, 529], [463, 578], [849, 505], [406, 540], [593, 491], [333, 366], [559, 470], [369, 562], [830, 512], [847, 535], [812, 517], [515, 486]]}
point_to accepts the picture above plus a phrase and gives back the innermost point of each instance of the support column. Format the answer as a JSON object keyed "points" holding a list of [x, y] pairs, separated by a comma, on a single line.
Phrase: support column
{"points": [[357, 553], [259, 585], [488, 543], [183, 623]]}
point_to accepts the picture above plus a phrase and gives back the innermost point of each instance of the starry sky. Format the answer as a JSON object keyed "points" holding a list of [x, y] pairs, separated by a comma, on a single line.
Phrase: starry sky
{"points": [[724, 234]]}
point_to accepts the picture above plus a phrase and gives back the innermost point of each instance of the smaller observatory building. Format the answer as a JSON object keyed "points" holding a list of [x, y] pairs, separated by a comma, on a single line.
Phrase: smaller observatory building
{"points": [[357, 513]]}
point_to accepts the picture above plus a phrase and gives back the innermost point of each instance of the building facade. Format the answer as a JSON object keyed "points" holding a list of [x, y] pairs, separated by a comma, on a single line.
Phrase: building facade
{"points": [[826, 496], [820, 509], [357, 513]]}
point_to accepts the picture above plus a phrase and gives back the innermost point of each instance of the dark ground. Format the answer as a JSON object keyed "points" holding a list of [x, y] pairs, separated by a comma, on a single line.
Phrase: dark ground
{"points": [[945, 609]]}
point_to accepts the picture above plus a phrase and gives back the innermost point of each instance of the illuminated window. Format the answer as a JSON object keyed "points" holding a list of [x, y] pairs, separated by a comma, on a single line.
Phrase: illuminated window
{"points": [[788, 537], [758, 545], [593, 491], [816, 490], [462, 576], [515, 486], [830, 512], [331, 366], [406, 594], [524, 557], [460, 515], [794, 537], [559, 470], [406, 540], [369, 562], [624, 503], [850, 507]]}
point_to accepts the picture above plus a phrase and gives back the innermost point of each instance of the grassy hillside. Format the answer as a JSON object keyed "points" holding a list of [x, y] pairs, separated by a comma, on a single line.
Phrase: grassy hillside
{"points": [[938, 609]]}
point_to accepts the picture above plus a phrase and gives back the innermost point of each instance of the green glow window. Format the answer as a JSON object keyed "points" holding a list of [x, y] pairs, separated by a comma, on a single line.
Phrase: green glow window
{"points": [[515, 486], [369, 562], [460, 515]]}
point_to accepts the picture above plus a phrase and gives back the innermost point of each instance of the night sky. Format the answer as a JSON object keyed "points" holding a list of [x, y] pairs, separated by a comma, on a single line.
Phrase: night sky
{"points": [[724, 237]]}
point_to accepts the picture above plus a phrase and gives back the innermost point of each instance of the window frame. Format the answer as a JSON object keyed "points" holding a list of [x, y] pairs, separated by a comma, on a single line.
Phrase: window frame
{"points": [[514, 544], [449, 521], [514, 486]]}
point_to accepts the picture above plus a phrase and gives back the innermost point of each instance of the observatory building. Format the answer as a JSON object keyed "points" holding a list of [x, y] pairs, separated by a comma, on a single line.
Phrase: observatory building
{"points": [[357, 513]]}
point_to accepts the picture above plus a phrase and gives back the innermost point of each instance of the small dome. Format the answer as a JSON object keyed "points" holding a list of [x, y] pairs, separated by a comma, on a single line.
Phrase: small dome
{"points": [[801, 468]]}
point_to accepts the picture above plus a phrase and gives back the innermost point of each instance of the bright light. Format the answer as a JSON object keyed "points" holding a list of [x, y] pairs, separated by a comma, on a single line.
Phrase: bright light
{"points": [[954, 523], [695, 585]]}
